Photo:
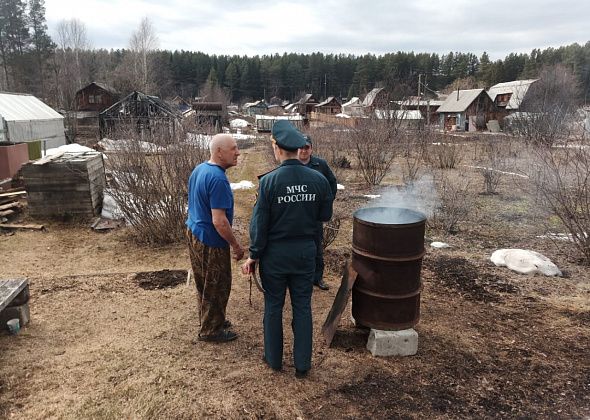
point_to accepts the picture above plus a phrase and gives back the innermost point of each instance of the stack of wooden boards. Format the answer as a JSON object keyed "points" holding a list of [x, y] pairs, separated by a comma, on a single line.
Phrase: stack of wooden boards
{"points": [[10, 204], [67, 184]]}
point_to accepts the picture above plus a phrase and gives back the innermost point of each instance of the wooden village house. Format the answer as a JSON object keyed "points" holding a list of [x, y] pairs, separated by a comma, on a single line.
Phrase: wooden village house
{"points": [[209, 114], [147, 115], [376, 98], [96, 97], [509, 96], [83, 124], [466, 110], [330, 106], [427, 107], [306, 105], [256, 108]]}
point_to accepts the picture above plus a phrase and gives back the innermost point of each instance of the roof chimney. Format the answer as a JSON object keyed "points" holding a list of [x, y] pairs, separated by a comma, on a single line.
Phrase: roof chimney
{"points": [[457, 94]]}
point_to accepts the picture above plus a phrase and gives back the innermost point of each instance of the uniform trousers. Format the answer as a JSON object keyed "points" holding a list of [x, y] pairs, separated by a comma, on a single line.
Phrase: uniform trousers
{"points": [[288, 267], [212, 271]]}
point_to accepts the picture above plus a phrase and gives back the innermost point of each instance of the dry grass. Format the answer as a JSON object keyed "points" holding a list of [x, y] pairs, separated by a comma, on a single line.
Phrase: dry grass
{"points": [[492, 343]]}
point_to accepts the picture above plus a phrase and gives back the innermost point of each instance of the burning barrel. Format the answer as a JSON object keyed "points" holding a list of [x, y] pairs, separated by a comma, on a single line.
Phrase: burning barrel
{"points": [[387, 251]]}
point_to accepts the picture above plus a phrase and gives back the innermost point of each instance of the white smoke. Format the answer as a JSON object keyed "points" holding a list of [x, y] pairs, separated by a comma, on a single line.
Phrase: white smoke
{"points": [[420, 195]]}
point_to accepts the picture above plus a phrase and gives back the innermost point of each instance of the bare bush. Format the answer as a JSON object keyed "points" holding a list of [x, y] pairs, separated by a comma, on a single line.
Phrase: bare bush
{"points": [[547, 110], [333, 146], [413, 147], [374, 141], [493, 164], [150, 187], [562, 179], [455, 204], [444, 155]]}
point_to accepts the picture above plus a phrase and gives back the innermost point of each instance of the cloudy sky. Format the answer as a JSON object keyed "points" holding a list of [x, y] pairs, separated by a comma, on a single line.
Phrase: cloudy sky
{"points": [[257, 27]]}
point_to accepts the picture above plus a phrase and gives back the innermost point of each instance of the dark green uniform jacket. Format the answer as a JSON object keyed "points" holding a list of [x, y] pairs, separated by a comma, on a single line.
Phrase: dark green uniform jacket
{"points": [[292, 199], [322, 167]]}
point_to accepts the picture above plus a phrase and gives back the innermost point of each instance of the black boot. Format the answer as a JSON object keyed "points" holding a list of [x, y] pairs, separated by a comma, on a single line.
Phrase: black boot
{"points": [[321, 284]]}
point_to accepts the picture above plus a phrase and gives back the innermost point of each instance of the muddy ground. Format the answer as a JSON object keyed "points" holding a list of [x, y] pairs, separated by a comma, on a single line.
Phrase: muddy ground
{"points": [[112, 335]]}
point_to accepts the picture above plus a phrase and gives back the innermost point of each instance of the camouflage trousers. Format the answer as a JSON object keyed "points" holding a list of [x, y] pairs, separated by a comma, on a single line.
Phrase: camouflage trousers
{"points": [[212, 271]]}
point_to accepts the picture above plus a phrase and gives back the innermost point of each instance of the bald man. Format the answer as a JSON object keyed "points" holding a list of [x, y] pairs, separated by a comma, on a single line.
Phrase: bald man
{"points": [[210, 237]]}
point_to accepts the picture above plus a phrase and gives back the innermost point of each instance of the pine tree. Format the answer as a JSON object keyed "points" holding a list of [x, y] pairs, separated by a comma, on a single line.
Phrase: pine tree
{"points": [[42, 44], [14, 40]]}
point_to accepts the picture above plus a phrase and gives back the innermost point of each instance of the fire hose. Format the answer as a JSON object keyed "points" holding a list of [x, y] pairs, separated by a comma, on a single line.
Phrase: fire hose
{"points": [[256, 280]]}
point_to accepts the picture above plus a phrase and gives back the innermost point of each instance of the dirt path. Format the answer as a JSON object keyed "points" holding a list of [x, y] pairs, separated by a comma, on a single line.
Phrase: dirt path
{"points": [[492, 343]]}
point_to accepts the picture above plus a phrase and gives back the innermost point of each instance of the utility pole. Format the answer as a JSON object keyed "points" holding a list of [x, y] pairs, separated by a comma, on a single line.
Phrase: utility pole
{"points": [[325, 86], [419, 81]]}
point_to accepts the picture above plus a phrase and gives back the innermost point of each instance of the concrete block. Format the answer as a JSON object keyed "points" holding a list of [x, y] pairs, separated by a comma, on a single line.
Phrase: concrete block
{"points": [[393, 343], [21, 312]]}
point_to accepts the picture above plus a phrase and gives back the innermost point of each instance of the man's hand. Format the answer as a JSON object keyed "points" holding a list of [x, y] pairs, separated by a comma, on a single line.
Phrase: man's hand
{"points": [[238, 252], [249, 266]]}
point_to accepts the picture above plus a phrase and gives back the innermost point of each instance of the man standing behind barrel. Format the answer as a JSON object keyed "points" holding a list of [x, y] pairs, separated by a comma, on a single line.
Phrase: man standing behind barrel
{"points": [[320, 165], [292, 201], [210, 234]]}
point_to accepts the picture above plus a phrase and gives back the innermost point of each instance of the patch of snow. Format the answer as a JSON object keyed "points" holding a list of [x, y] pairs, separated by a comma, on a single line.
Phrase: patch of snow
{"points": [[242, 185], [69, 148], [122, 145], [439, 245], [342, 115], [238, 123], [372, 195], [524, 262], [239, 136], [496, 170], [110, 208], [339, 186]]}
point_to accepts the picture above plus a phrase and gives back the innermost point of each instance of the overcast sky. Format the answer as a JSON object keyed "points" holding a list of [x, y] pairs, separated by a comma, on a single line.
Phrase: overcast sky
{"points": [[257, 27]]}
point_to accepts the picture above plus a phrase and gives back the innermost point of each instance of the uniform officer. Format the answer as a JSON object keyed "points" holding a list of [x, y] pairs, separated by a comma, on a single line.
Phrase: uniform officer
{"points": [[320, 165], [292, 201]]}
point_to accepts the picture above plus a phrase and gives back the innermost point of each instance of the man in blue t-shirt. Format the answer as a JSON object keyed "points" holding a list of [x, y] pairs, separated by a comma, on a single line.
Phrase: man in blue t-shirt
{"points": [[210, 236]]}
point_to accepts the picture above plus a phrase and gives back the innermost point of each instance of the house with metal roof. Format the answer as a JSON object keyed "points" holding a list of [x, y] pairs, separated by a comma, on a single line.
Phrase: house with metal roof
{"points": [[306, 105], [376, 98], [353, 107], [24, 118], [96, 97], [330, 106], [509, 95], [255, 108], [466, 110]]}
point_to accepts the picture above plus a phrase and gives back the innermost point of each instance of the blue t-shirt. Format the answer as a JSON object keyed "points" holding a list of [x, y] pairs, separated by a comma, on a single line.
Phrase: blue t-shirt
{"points": [[208, 188]]}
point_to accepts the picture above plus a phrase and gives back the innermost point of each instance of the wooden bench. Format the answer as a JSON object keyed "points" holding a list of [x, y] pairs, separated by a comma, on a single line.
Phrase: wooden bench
{"points": [[14, 301]]}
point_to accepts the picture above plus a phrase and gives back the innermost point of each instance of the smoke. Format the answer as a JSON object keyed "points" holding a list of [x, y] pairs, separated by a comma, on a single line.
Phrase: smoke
{"points": [[420, 195]]}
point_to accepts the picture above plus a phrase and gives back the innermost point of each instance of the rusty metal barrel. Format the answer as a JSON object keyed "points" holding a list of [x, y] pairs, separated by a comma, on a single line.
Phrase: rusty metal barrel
{"points": [[387, 252]]}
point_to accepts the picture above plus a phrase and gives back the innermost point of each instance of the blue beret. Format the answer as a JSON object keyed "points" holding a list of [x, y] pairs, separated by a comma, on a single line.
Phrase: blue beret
{"points": [[287, 136]]}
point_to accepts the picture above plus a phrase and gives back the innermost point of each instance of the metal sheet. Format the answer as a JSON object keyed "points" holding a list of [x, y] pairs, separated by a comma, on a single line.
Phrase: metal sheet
{"points": [[340, 301]]}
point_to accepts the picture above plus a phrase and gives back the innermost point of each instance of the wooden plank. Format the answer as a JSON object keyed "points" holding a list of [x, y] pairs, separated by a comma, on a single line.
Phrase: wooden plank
{"points": [[10, 205], [6, 213], [46, 159], [13, 194], [17, 226]]}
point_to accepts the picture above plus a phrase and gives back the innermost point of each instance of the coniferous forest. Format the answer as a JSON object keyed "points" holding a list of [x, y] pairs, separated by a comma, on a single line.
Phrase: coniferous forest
{"points": [[54, 69]]}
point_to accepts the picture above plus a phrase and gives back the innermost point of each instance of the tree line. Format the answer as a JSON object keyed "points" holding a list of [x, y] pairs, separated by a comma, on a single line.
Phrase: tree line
{"points": [[54, 69]]}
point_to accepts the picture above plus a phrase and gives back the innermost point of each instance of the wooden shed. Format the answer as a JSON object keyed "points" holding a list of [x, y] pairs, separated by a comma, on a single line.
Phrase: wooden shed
{"points": [[70, 185]]}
